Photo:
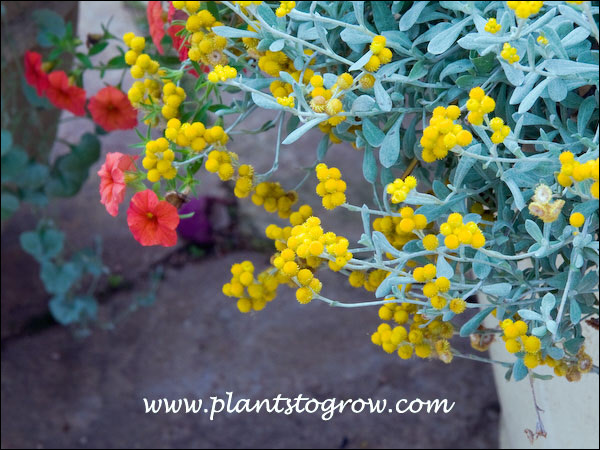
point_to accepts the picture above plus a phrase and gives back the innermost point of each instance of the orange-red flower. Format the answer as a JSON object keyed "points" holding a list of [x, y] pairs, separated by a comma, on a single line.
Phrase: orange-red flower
{"points": [[34, 75], [63, 95], [152, 221], [112, 110], [112, 180], [156, 23]]}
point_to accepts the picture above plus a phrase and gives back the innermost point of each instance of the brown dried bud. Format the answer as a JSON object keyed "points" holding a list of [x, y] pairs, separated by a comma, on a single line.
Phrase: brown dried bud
{"points": [[176, 198]]}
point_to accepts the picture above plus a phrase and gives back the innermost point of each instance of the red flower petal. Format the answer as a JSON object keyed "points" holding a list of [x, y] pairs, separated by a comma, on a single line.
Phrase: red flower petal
{"points": [[152, 221], [34, 75], [112, 110], [64, 96], [156, 24]]}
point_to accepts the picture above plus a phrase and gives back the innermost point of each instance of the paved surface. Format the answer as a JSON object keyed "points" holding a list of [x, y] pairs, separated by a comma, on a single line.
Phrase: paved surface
{"points": [[62, 391]]}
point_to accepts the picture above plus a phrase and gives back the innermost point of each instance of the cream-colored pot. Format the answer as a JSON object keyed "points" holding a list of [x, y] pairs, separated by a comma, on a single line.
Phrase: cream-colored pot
{"points": [[569, 410]]}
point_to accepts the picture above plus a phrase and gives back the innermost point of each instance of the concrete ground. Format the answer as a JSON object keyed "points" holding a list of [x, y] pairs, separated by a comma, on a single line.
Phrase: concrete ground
{"points": [[64, 391]]}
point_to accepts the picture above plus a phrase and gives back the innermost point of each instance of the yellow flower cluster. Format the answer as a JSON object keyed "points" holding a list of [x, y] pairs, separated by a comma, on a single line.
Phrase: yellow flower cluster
{"points": [[479, 105], [571, 370], [286, 101], [273, 198], [381, 54], [245, 182], [221, 73], [207, 47], [220, 162], [187, 134], [284, 8], [300, 216], [457, 233], [524, 10], [516, 340], [542, 206], [572, 170], [500, 131], [331, 187], [542, 40], [399, 229], [369, 281], [246, 4], [509, 53], [280, 89], [158, 160], [173, 97], [309, 240], [140, 63], [420, 340], [274, 62], [190, 7], [430, 242], [252, 293], [139, 89], [442, 134], [492, 26], [399, 189], [195, 135], [322, 100]]}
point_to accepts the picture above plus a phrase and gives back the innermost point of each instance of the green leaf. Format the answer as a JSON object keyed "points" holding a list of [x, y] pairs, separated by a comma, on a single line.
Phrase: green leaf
{"points": [[7, 142], [574, 310], [59, 279], [480, 268], [13, 164], [409, 18], [520, 370], [533, 95], [473, 323], [97, 48], [534, 230], [497, 289], [372, 133], [383, 18], [390, 146], [563, 67], [586, 109], [230, 32], [299, 132], [67, 311], [369, 165], [464, 166], [443, 268], [48, 22], [557, 89], [443, 41], [9, 205], [384, 100], [265, 102]]}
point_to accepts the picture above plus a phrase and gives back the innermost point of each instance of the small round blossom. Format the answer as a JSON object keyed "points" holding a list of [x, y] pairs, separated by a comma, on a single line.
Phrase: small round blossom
{"points": [[577, 219], [399, 189], [525, 9], [500, 131], [331, 187], [509, 53], [152, 221], [492, 26]]}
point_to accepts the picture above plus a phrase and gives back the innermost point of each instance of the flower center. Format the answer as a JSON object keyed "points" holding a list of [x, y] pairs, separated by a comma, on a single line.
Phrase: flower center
{"points": [[149, 215]]}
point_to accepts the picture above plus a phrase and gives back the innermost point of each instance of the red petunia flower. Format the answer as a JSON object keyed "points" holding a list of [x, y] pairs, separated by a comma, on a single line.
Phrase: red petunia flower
{"points": [[63, 95], [156, 23], [112, 180], [112, 110], [34, 75], [152, 221]]}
